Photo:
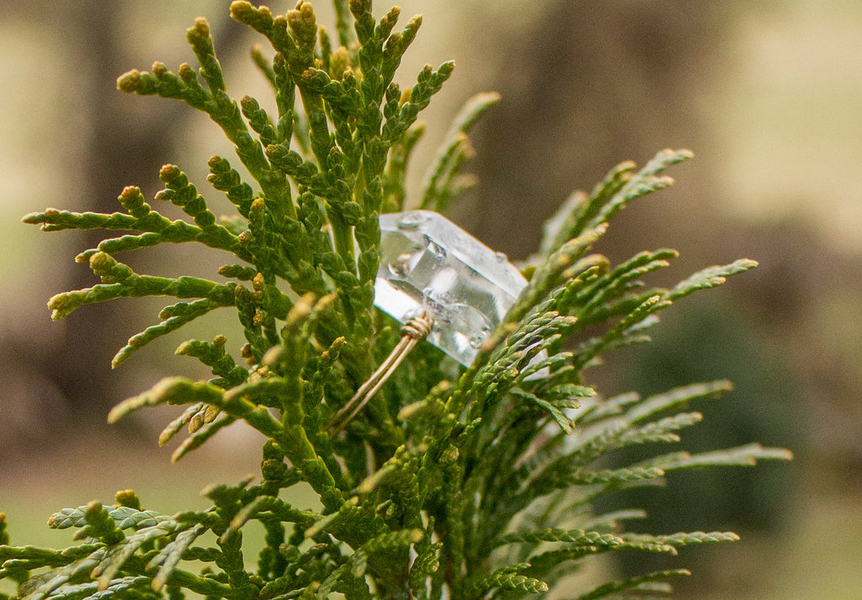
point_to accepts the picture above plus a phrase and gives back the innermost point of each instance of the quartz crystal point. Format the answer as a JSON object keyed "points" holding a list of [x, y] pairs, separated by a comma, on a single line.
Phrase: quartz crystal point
{"points": [[429, 263]]}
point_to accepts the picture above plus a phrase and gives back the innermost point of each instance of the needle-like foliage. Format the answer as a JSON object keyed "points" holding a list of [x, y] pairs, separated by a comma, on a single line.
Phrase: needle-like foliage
{"points": [[452, 483]]}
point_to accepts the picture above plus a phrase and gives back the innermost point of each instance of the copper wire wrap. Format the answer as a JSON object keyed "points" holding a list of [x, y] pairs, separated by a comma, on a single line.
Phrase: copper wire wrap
{"points": [[412, 332]]}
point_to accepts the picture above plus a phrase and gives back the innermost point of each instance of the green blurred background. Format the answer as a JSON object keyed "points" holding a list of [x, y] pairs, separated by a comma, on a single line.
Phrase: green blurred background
{"points": [[767, 94]]}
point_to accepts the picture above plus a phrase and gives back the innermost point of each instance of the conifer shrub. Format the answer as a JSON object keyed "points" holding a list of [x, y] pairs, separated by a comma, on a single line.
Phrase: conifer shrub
{"points": [[453, 482]]}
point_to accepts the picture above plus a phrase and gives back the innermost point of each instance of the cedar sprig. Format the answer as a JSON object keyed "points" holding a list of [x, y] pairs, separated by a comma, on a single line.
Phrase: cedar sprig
{"points": [[469, 483]]}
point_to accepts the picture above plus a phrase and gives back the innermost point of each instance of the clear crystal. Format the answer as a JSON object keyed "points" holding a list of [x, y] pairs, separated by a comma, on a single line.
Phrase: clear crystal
{"points": [[429, 263]]}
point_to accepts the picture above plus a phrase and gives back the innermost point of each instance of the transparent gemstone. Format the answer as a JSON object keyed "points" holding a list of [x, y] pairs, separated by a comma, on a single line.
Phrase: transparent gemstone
{"points": [[429, 263]]}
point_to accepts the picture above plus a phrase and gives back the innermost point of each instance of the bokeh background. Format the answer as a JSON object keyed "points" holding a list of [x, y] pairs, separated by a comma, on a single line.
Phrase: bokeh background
{"points": [[767, 94]]}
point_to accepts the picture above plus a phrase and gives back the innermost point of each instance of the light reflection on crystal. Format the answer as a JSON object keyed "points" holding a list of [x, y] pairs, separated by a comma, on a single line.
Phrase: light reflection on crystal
{"points": [[428, 263]]}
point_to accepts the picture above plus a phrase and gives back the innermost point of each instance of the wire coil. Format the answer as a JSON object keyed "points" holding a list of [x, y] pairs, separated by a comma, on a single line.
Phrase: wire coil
{"points": [[412, 332]]}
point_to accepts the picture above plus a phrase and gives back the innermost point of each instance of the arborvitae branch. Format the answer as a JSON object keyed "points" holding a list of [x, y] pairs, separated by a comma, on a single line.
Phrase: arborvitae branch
{"points": [[439, 179], [471, 483], [634, 583]]}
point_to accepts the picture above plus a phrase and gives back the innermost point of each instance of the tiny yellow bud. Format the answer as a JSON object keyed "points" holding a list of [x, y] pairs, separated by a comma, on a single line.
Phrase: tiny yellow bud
{"points": [[128, 81]]}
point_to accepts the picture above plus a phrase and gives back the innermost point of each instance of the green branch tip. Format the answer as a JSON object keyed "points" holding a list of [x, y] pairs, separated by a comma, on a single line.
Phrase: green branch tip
{"points": [[129, 81], [199, 32]]}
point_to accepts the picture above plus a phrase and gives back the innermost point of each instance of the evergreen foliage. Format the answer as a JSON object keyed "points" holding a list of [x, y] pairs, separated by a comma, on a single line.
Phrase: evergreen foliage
{"points": [[452, 483]]}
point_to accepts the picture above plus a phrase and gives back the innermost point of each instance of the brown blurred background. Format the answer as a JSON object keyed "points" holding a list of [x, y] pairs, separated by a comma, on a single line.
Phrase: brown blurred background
{"points": [[766, 94]]}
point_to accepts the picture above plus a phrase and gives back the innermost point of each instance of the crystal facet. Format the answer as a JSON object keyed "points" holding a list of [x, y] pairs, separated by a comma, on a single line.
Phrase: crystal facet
{"points": [[428, 263]]}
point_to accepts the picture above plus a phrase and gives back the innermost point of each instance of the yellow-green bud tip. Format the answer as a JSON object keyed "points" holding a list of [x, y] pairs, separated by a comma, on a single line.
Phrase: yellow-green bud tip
{"points": [[128, 81], [169, 172], [242, 11], [249, 103], [306, 10], [101, 262], [130, 192], [450, 455], [200, 30], [186, 72], [128, 498]]}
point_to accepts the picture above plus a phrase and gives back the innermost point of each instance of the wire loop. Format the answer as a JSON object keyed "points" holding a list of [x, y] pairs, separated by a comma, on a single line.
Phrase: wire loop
{"points": [[412, 332]]}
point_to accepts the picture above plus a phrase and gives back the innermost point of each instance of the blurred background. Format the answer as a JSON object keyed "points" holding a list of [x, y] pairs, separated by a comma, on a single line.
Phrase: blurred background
{"points": [[766, 94]]}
